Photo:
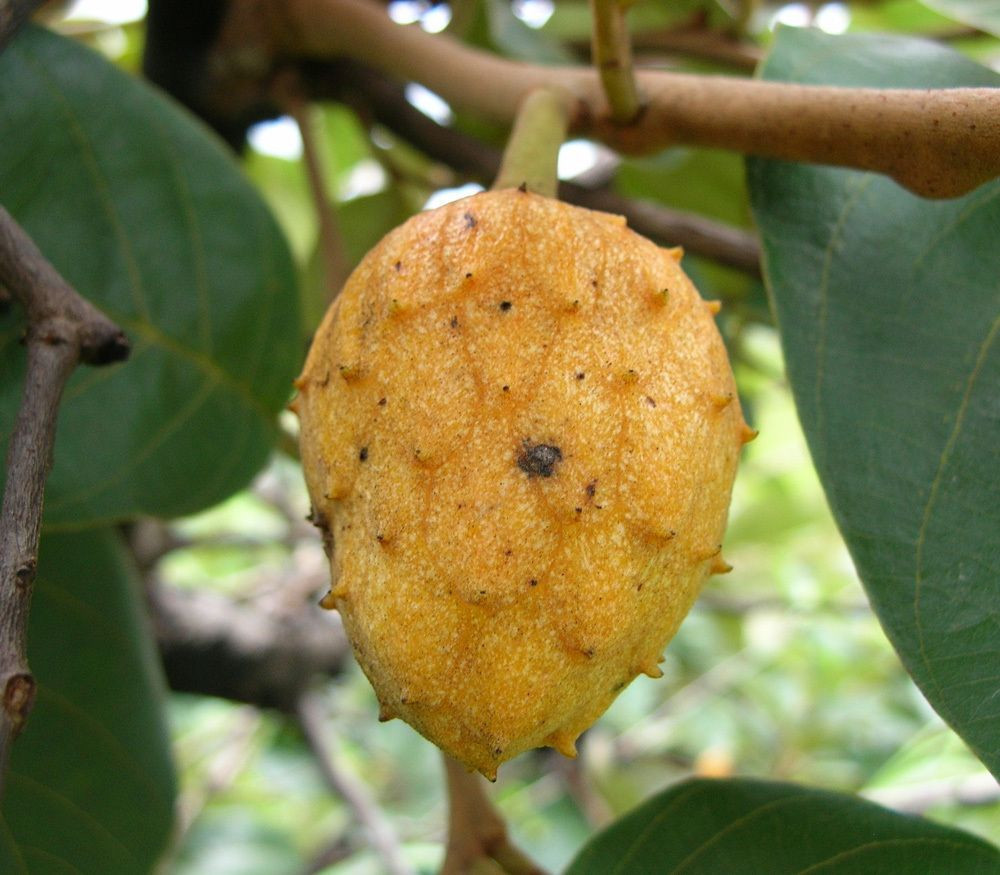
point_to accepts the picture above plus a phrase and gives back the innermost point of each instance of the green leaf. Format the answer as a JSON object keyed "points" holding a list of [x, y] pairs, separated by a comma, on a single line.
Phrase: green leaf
{"points": [[984, 14], [889, 313], [91, 785], [144, 212], [747, 827]]}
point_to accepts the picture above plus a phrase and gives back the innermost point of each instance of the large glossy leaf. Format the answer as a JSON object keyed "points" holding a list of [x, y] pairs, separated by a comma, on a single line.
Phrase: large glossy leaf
{"points": [[144, 212], [747, 827], [90, 787], [984, 14], [889, 313]]}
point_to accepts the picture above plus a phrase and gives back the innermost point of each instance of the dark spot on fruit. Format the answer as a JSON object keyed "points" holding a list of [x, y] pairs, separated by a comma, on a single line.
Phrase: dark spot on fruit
{"points": [[468, 276], [380, 537], [508, 552], [539, 460], [589, 652], [505, 305], [578, 509], [363, 454], [506, 388], [639, 588], [399, 266], [497, 751], [381, 402], [454, 322], [580, 375], [650, 401], [523, 188], [470, 221], [591, 489], [482, 592], [619, 686]]}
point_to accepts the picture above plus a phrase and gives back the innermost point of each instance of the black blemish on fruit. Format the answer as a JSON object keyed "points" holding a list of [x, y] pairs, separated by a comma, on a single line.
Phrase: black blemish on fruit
{"points": [[533, 582], [399, 266], [508, 552], [505, 305], [523, 188], [539, 460], [589, 652], [381, 402], [578, 509], [506, 388], [470, 221], [591, 489], [454, 322], [468, 276], [639, 587], [650, 401], [380, 537], [580, 375], [363, 454]]}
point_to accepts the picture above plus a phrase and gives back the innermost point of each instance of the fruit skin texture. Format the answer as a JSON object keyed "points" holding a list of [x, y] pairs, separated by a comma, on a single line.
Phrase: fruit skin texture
{"points": [[519, 430]]}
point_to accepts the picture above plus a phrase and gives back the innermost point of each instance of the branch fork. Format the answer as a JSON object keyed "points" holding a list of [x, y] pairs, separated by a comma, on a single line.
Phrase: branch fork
{"points": [[63, 330]]}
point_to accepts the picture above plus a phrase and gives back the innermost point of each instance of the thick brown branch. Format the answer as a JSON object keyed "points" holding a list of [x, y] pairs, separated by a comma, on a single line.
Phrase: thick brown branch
{"points": [[216, 646], [63, 329], [382, 100], [939, 143]]}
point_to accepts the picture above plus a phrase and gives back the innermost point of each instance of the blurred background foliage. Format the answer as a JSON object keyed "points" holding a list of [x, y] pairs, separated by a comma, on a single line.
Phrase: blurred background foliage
{"points": [[781, 671]]}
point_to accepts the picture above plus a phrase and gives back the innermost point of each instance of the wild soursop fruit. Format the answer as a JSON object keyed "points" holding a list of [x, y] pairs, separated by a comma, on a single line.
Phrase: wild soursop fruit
{"points": [[519, 432]]}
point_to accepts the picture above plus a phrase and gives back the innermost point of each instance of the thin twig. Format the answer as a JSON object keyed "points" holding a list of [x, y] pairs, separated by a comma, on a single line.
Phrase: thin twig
{"points": [[63, 329], [612, 56], [331, 242], [477, 833], [310, 715], [13, 16]]}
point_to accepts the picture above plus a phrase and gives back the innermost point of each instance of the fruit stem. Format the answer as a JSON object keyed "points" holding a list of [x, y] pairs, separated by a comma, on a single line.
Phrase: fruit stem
{"points": [[531, 157]]}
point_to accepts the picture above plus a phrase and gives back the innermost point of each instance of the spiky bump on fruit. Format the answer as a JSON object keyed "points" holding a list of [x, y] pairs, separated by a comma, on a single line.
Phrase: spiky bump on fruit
{"points": [[519, 432]]}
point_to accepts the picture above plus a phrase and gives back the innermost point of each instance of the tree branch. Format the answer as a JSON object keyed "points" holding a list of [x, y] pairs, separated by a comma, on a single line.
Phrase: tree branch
{"points": [[215, 646], [309, 712], [63, 329], [376, 97], [938, 143]]}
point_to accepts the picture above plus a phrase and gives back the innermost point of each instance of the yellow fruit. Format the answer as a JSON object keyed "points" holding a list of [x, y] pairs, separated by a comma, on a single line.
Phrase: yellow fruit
{"points": [[519, 432]]}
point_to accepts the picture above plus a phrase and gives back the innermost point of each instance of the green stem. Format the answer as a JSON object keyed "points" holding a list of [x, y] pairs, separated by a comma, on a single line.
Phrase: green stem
{"points": [[612, 55], [532, 152]]}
